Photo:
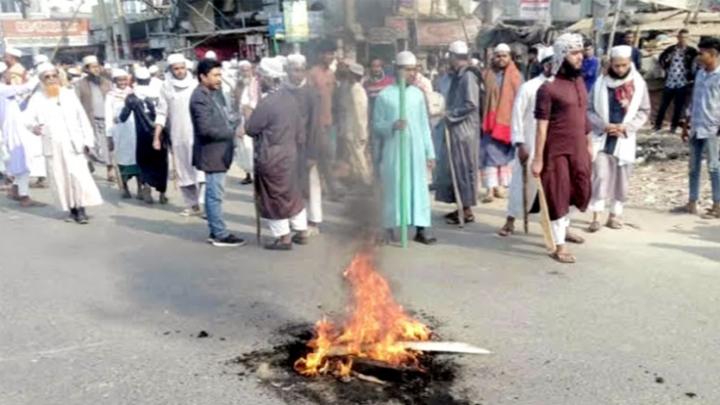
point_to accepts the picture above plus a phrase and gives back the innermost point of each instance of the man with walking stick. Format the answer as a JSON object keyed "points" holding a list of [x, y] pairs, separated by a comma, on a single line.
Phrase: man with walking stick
{"points": [[463, 124], [523, 127]]}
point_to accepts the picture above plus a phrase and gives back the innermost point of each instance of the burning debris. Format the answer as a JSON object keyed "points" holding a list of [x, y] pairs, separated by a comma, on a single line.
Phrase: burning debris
{"points": [[378, 331], [379, 345]]}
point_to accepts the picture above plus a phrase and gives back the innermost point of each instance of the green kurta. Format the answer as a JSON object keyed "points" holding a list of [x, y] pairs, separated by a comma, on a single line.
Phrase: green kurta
{"points": [[420, 150]]}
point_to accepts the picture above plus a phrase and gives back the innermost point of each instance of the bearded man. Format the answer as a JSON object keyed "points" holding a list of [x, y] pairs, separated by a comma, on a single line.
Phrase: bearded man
{"points": [[56, 114], [562, 159], [173, 113], [92, 90], [619, 107]]}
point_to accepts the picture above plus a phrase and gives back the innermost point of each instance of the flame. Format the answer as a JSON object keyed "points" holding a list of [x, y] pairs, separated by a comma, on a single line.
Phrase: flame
{"points": [[375, 329]]}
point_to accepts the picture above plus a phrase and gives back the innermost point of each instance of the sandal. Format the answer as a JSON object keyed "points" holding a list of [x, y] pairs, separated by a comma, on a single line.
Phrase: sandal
{"points": [[506, 230], [456, 220], [278, 244], [594, 227], [564, 258], [614, 223], [572, 238], [451, 215]]}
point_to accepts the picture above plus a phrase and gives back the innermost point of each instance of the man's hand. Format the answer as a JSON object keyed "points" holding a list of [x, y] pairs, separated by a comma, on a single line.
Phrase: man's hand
{"points": [[157, 145], [685, 135], [537, 167], [523, 153], [431, 164], [399, 125], [38, 129]]}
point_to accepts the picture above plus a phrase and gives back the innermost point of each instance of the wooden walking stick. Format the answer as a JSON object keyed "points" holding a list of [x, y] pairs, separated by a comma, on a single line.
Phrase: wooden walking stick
{"points": [[545, 218], [526, 214], [258, 227], [453, 176]]}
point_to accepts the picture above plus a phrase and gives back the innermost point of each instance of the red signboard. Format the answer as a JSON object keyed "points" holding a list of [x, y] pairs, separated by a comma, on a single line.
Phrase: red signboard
{"points": [[45, 33]]}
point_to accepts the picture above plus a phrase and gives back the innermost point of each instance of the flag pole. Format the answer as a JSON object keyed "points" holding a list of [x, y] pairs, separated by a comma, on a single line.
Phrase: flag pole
{"points": [[403, 166]]}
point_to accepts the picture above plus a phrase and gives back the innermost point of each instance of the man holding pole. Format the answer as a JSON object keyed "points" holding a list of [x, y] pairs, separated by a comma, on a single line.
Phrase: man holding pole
{"points": [[404, 202]]}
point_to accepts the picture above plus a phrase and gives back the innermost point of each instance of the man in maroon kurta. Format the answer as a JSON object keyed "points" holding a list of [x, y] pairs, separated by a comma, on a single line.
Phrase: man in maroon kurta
{"points": [[563, 154]]}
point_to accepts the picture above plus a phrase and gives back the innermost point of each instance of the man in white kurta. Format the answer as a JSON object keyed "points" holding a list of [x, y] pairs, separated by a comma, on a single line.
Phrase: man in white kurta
{"points": [[124, 138], [23, 148], [522, 133], [249, 95], [55, 114], [173, 114], [619, 107]]}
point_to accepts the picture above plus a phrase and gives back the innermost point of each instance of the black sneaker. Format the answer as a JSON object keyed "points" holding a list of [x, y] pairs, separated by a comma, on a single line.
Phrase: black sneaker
{"points": [[73, 217], [228, 241], [82, 217]]}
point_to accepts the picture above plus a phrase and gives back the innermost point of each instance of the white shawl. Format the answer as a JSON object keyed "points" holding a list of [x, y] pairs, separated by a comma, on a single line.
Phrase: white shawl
{"points": [[626, 146]]}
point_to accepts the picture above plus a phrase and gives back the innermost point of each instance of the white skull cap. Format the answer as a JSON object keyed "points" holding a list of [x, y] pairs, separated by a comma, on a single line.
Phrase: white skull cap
{"points": [[459, 48], [406, 58]]}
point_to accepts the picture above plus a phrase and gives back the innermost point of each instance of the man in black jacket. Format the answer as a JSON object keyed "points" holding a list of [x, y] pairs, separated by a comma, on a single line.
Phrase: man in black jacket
{"points": [[213, 148], [678, 62]]}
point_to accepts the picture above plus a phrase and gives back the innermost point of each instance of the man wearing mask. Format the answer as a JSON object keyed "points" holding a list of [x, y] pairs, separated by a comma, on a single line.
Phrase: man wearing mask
{"points": [[91, 91]]}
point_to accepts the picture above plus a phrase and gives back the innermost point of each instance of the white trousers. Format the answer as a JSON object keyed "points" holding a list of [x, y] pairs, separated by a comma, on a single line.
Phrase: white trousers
{"points": [[315, 213], [616, 207], [193, 195], [23, 184], [559, 229], [282, 227]]}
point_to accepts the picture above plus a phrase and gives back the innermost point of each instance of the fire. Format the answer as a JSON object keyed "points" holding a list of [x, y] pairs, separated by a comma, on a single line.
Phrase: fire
{"points": [[376, 328]]}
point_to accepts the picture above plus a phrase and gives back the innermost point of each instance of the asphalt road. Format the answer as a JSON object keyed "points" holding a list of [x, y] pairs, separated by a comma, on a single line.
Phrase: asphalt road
{"points": [[109, 313]]}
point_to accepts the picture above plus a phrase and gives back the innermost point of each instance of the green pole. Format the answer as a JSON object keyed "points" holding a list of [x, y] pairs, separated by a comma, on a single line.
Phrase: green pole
{"points": [[403, 167], [276, 48]]}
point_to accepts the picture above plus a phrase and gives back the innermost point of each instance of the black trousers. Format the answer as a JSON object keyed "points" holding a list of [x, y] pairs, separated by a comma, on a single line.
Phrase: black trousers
{"points": [[679, 98]]}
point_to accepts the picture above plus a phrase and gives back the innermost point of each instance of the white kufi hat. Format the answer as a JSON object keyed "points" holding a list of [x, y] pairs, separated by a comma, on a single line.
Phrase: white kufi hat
{"points": [[272, 68], [621, 51], [176, 58], [45, 67], [296, 60], [119, 73], [459, 48], [211, 55], [502, 48], [90, 60], [14, 52], [142, 73], [406, 58], [357, 68]]}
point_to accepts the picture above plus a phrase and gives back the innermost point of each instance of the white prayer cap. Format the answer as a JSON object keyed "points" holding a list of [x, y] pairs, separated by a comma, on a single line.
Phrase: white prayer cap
{"points": [[296, 60], [14, 52], [234, 63], [45, 68], [405, 59], [621, 51], [563, 45], [74, 71], [142, 73], [502, 48], [272, 68], [90, 60], [211, 55], [175, 59], [119, 73], [3, 67], [153, 69], [244, 63], [38, 59], [545, 52], [357, 68], [459, 48]]}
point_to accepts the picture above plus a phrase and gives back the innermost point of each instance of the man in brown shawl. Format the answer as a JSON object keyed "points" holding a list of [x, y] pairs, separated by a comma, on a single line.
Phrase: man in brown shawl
{"points": [[276, 126]]}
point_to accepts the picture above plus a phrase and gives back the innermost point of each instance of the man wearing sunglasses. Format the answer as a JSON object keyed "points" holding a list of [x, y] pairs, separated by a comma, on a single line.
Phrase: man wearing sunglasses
{"points": [[56, 114]]}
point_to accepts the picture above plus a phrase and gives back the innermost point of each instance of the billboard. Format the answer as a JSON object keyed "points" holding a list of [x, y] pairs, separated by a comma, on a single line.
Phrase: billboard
{"points": [[45, 33]]}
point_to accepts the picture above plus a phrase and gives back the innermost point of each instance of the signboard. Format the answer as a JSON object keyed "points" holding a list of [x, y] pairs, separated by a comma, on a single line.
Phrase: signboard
{"points": [[399, 25], [297, 24], [316, 20], [276, 25], [45, 33], [678, 4], [381, 35], [534, 9], [442, 33]]}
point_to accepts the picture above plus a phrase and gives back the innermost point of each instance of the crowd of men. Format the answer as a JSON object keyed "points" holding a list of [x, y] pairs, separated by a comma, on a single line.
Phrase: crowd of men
{"points": [[302, 132]]}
